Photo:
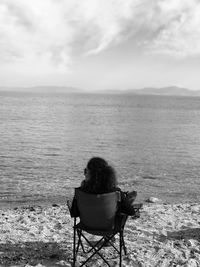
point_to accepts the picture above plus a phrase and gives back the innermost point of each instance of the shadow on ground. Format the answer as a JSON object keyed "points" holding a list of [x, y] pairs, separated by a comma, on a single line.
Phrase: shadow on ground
{"points": [[186, 234], [34, 253]]}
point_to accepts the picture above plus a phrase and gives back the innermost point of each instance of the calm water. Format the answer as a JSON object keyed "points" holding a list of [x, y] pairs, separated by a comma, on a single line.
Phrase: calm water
{"points": [[46, 141]]}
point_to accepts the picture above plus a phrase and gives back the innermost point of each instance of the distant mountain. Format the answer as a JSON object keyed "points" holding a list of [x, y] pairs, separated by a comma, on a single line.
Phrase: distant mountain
{"points": [[168, 91], [165, 91], [54, 89], [42, 89]]}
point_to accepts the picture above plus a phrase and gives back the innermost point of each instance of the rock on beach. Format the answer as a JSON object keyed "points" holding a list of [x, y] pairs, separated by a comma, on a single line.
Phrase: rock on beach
{"points": [[164, 235], [153, 200]]}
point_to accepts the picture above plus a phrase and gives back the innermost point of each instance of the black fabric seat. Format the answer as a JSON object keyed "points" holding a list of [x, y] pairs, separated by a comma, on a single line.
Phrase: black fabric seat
{"points": [[100, 216]]}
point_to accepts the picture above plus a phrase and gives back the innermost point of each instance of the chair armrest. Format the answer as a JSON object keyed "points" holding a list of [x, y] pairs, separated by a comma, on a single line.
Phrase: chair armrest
{"points": [[138, 206], [69, 204], [123, 214], [73, 209], [135, 212]]}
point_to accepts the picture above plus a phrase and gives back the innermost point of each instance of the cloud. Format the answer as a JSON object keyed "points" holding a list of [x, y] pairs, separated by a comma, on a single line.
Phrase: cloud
{"points": [[34, 33], [180, 32], [49, 33]]}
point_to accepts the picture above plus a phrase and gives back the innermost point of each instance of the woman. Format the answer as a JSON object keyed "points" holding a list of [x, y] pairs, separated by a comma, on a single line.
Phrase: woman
{"points": [[100, 178]]}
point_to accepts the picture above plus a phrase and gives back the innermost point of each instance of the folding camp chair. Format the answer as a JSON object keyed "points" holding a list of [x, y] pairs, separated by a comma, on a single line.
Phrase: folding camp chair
{"points": [[100, 216]]}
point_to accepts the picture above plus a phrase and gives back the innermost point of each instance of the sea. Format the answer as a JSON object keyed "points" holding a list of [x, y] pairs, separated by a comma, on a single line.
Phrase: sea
{"points": [[46, 140]]}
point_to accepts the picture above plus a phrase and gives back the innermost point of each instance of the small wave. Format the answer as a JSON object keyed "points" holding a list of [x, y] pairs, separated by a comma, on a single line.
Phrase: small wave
{"points": [[6, 157], [51, 155], [149, 177], [6, 195], [4, 166]]}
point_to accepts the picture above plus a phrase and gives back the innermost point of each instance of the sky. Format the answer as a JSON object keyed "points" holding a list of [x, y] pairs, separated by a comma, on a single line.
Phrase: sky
{"points": [[100, 44]]}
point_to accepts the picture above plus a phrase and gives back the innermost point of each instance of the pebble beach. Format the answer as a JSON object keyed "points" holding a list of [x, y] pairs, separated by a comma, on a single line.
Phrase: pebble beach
{"points": [[164, 235]]}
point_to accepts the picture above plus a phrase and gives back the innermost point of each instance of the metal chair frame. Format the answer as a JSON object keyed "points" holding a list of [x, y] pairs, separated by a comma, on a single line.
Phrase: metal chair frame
{"points": [[79, 231], [103, 241]]}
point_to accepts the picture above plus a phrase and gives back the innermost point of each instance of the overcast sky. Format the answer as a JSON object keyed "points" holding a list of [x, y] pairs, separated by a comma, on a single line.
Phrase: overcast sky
{"points": [[100, 44]]}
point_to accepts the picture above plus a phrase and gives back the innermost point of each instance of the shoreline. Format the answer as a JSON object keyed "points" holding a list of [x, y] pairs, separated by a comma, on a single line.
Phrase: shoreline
{"points": [[48, 202], [164, 235], [62, 200]]}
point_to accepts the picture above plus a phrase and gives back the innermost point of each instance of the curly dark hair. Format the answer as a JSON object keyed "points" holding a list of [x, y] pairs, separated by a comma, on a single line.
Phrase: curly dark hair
{"points": [[102, 177]]}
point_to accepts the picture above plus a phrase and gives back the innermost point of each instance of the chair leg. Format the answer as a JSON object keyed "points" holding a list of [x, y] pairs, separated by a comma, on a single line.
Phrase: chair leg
{"points": [[120, 249], [79, 233], [123, 244], [74, 248], [74, 244]]}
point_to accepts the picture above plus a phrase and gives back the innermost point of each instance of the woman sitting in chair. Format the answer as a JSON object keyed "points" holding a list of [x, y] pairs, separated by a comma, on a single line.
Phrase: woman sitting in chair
{"points": [[100, 178], [98, 204]]}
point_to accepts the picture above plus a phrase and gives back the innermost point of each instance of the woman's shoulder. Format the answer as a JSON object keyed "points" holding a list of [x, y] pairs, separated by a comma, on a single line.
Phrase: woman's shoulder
{"points": [[83, 183], [84, 186], [116, 189]]}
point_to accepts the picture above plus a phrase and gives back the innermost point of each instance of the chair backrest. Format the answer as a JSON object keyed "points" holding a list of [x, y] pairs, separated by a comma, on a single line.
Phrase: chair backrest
{"points": [[97, 212]]}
